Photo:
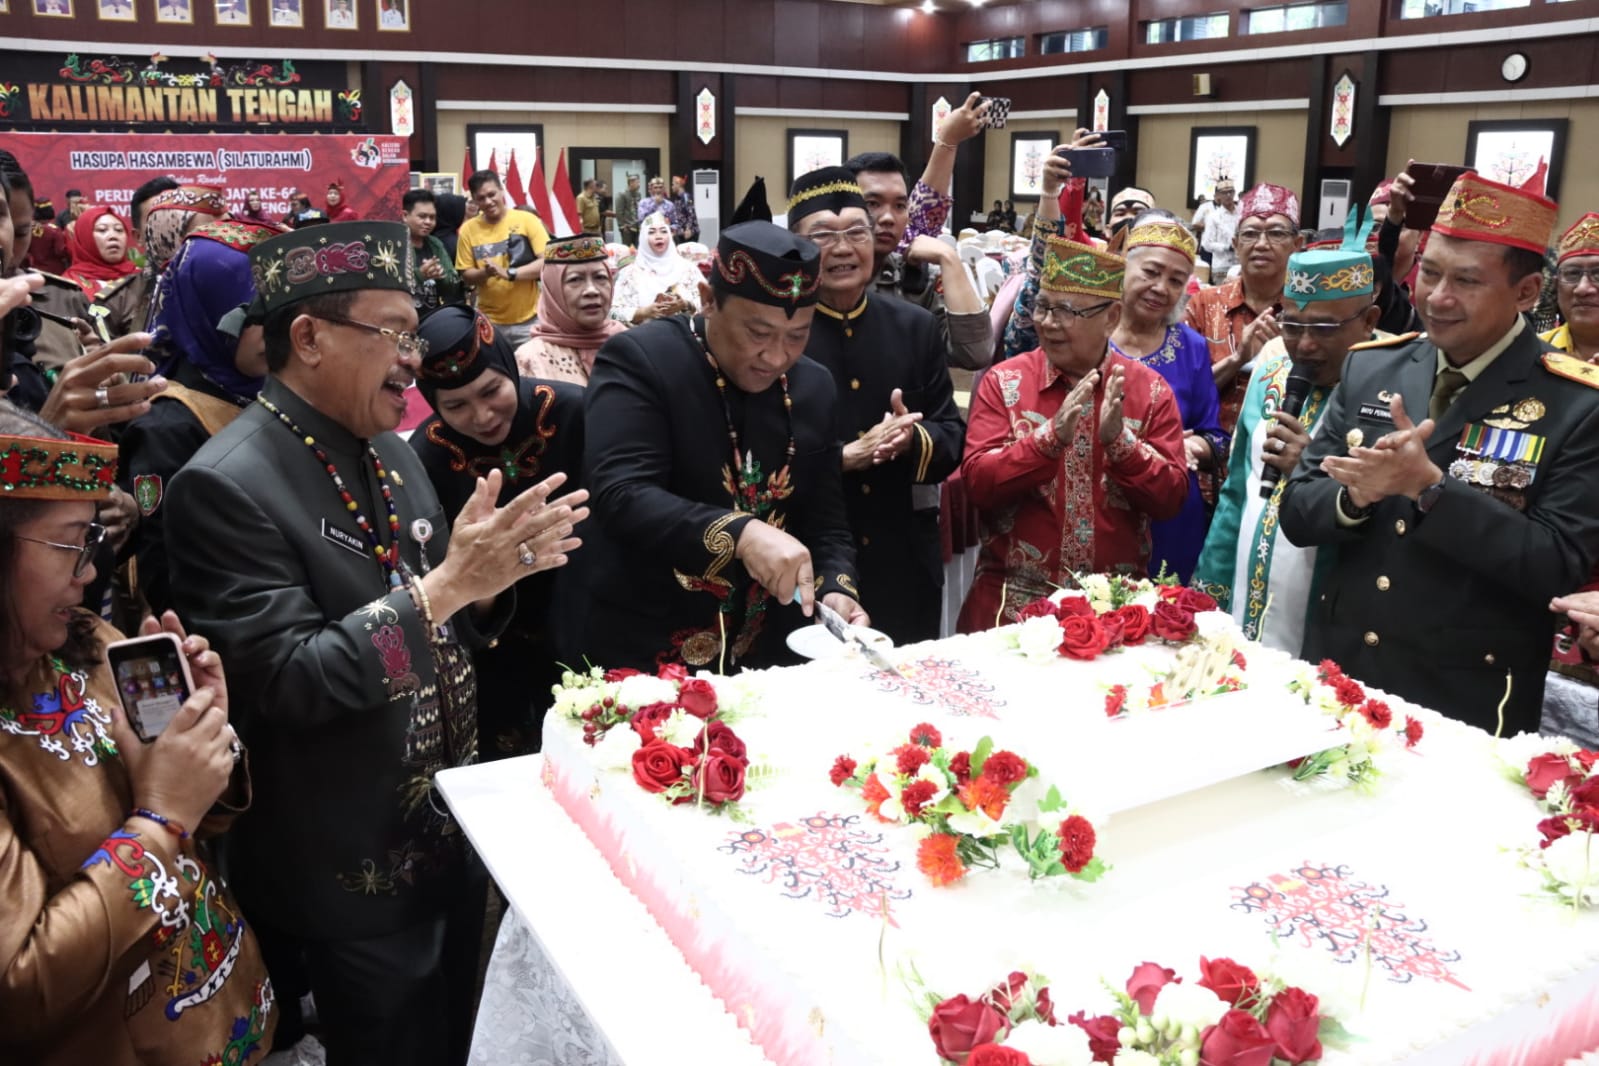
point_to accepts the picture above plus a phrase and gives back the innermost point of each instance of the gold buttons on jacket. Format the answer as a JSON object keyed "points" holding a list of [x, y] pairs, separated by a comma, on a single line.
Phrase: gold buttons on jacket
{"points": [[1372, 640], [1489, 658], [1399, 527], [1383, 584], [854, 383], [866, 490]]}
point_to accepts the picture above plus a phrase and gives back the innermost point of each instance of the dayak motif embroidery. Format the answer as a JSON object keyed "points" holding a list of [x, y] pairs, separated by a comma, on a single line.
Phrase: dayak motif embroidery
{"points": [[944, 683], [66, 721]]}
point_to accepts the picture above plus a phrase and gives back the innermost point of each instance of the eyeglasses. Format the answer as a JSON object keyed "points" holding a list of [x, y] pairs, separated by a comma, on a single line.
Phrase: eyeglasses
{"points": [[1275, 235], [1318, 330], [1571, 277], [1043, 309], [91, 540], [407, 343], [826, 238]]}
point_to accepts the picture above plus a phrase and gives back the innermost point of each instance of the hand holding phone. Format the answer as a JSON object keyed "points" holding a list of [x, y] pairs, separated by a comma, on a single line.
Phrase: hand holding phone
{"points": [[153, 681], [1429, 185]]}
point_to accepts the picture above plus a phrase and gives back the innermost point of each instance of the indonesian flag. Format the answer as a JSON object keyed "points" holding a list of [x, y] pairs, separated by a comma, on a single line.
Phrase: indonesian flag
{"points": [[513, 182], [1539, 179], [466, 169], [538, 191], [565, 221]]}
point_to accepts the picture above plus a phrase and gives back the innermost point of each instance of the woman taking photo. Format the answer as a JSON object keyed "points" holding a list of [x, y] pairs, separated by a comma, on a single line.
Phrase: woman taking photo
{"points": [[488, 417], [1160, 259], [118, 946], [658, 282]]}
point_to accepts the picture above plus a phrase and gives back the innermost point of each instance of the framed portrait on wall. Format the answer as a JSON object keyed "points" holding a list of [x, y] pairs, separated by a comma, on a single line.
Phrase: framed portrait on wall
{"points": [[54, 9], [810, 150], [498, 143], [1512, 151], [340, 15], [439, 183], [116, 10], [1217, 152], [233, 12], [1028, 153], [288, 13], [394, 15], [176, 12]]}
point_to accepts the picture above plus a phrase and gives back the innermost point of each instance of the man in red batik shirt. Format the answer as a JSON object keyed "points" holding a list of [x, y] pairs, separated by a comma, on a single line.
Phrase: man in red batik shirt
{"points": [[1071, 449]]}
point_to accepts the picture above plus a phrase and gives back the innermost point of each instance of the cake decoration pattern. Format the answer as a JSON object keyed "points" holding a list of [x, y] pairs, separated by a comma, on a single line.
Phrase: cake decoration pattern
{"points": [[824, 858]]}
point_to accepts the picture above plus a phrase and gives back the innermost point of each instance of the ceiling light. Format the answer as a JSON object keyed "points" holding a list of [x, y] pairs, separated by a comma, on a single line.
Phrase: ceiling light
{"points": [[927, 7]]}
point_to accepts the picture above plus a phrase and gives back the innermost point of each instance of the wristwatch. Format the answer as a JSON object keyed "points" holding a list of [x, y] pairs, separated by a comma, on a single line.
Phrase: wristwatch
{"points": [[1429, 496]]}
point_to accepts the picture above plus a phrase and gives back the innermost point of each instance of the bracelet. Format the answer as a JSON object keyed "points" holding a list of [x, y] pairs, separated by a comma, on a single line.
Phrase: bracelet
{"points": [[424, 607], [941, 144], [1347, 508], [175, 828]]}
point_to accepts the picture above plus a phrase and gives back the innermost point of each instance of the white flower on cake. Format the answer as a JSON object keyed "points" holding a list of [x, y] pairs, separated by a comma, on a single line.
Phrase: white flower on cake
{"points": [[614, 749], [641, 690], [1051, 1045], [1179, 1006], [1038, 638], [681, 729], [1572, 864], [1133, 1057], [1097, 588]]}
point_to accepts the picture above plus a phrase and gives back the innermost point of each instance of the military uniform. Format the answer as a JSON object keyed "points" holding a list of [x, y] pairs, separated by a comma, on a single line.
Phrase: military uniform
{"points": [[58, 303], [883, 345], [1439, 607], [123, 306]]}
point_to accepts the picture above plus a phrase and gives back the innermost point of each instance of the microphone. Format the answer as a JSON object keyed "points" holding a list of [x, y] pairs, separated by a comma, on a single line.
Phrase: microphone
{"points": [[1294, 393]]}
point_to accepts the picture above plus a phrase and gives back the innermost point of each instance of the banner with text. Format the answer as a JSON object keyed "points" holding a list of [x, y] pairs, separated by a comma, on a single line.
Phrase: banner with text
{"points": [[108, 167]]}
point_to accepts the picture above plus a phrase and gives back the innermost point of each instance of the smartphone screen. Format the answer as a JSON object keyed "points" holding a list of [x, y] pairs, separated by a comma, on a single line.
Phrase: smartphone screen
{"points": [[152, 679]]}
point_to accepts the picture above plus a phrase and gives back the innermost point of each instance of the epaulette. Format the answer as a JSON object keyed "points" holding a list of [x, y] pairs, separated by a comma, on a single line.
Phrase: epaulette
{"points": [[57, 279], [112, 287], [1571, 368], [1395, 341]]}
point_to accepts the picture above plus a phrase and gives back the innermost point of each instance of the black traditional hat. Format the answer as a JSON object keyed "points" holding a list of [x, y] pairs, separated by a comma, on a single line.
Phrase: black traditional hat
{"points": [[761, 262], [338, 257], [462, 346], [827, 189]]}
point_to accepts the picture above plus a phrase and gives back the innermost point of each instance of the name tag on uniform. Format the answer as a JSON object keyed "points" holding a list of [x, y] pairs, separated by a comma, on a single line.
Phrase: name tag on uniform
{"points": [[1377, 412], [344, 539]]}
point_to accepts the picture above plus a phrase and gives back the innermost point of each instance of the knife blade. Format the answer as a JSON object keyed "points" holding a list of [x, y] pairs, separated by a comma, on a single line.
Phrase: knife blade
{"points": [[834, 623]]}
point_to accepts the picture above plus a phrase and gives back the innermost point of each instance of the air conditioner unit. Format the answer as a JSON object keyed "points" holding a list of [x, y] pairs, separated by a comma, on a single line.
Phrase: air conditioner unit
{"points": [[1334, 203]]}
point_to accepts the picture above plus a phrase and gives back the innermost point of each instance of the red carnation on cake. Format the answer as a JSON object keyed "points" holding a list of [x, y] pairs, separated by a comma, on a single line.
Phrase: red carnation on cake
{"points": [[697, 696], [1412, 732], [1006, 767], [1230, 980], [1172, 623], [1292, 1022], [917, 795], [875, 795], [1135, 621], [647, 720], [1083, 638], [1103, 1034], [1237, 1040], [961, 767], [657, 766], [1115, 700], [1239, 660], [843, 770], [908, 758], [1377, 713], [983, 793], [1350, 694], [1147, 979], [938, 860], [1329, 671], [927, 736], [1076, 843], [997, 1055]]}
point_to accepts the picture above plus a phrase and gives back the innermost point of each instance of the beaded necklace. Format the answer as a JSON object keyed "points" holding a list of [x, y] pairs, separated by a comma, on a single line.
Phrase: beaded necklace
{"points": [[389, 557], [746, 473]]}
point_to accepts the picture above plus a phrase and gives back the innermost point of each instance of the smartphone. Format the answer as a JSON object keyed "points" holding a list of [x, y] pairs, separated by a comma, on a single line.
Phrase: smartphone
{"points": [[1113, 139], [998, 112], [153, 681], [1432, 183], [1090, 162]]}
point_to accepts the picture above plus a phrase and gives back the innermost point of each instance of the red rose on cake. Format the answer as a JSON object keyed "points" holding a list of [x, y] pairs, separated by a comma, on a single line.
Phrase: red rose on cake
{"points": [[648, 719], [997, 1055], [1546, 770], [1172, 623], [1135, 620], [1229, 980], [1237, 1040], [719, 736], [673, 672], [697, 696], [1083, 638], [1147, 979], [1294, 1024], [657, 766], [720, 777], [960, 1024], [1104, 1034]]}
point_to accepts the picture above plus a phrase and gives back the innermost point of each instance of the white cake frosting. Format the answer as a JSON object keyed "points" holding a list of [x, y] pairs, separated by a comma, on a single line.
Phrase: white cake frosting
{"points": [[806, 915]]}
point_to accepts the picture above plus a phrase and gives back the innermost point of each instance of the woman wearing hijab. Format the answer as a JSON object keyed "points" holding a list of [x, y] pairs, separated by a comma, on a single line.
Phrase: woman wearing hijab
{"points": [[170, 216], [452, 212], [658, 282], [214, 366], [99, 243], [339, 209], [253, 211], [574, 312], [487, 417]]}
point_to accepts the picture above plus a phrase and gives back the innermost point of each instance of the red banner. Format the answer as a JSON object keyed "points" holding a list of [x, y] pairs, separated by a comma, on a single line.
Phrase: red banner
{"points": [[108, 167]]}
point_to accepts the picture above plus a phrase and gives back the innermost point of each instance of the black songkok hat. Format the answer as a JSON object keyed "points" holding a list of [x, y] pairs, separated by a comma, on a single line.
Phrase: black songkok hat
{"points": [[753, 207], [342, 257], [462, 346], [828, 189], [767, 264]]}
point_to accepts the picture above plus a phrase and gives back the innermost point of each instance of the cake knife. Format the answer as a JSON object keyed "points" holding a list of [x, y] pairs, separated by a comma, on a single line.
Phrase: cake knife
{"points": [[834, 623]]}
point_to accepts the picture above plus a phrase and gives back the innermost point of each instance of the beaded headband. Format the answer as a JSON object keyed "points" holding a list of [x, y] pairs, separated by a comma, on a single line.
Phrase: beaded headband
{"points": [[1581, 239], [1070, 267], [1163, 234], [206, 199], [575, 250], [41, 468], [845, 187]]}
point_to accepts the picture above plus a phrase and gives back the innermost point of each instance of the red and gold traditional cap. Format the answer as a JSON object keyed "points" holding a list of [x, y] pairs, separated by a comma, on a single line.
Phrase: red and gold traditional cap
{"points": [[1163, 233], [1581, 239], [1477, 209], [206, 199], [1265, 200], [42, 468], [1382, 194], [1070, 267]]}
